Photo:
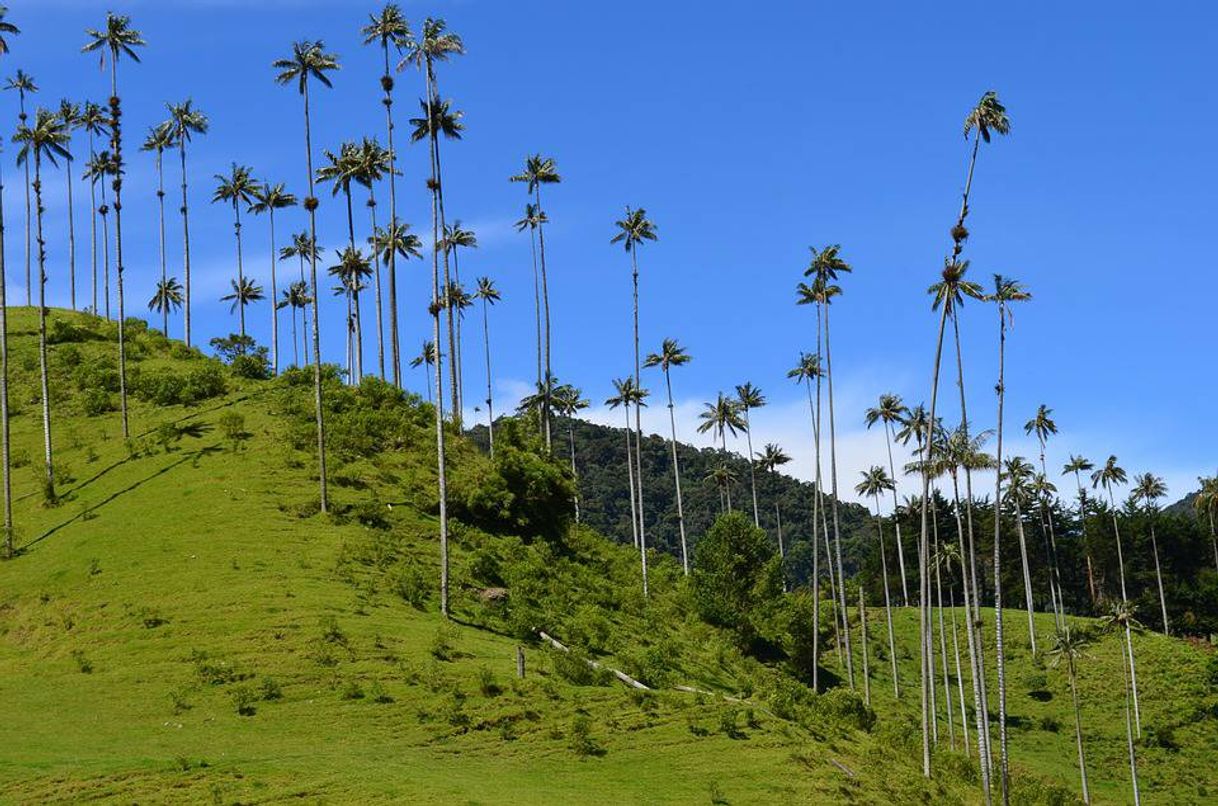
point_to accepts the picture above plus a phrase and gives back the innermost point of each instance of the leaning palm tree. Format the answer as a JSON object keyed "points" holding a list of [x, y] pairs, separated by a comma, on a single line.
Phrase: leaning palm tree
{"points": [[1149, 488], [310, 60], [5, 29], [185, 122], [671, 355], [70, 114], [244, 292], [634, 230], [1017, 474], [24, 84], [1077, 466], [389, 27], [629, 394], [568, 401], [1121, 616], [1043, 426], [750, 397], [457, 237], [168, 297], [267, 199], [987, 118], [46, 140], [237, 188], [428, 356], [1206, 503], [120, 39], [769, 459], [1069, 646], [538, 171], [891, 411], [532, 221], [876, 482], [1109, 476], [296, 297], [159, 138], [93, 121], [489, 296], [805, 372]]}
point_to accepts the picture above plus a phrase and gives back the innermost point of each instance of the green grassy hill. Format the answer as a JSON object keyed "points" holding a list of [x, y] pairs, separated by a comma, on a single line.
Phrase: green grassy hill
{"points": [[184, 626]]}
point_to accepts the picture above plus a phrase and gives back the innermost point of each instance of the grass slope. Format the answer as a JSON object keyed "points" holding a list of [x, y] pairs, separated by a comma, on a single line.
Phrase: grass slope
{"points": [[184, 578]]}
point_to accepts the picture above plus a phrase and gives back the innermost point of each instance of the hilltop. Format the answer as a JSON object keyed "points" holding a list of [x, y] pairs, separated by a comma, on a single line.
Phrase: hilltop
{"points": [[184, 625]]}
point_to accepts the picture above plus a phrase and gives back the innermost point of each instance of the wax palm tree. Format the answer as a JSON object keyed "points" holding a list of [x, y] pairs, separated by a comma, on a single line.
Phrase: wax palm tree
{"points": [[538, 171], [724, 477], [244, 292], [750, 397], [1069, 646], [24, 85], [119, 39], [427, 356], [341, 170], [1077, 466], [1017, 474], [352, 270], [1121, 616], [891, 411], [1149, 488], [1043, 426], [721, 418], [806, 372], [489, 294], [302, 247], [987, 118], [159, 138], [568, 401], [634, 230], [371, 166], [876, 482], [237, 188], [390, 28], [93, 121], [1109, 476], [70, 114], [46, 140], [296, 297], [769, 459], [457, 237], [185, 121], [309, 60], [630, 394], [168, 297], [825, 266], [532, 220], [6, 28], [1206, 503], [267, 199], [99, 168], [671, 355]]}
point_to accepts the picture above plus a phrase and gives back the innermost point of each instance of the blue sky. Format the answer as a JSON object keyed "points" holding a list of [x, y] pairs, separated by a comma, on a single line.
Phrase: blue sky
{"points": [[748, 133]]}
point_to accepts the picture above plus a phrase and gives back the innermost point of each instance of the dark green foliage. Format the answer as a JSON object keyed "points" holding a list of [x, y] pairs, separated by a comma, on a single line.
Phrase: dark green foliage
{"points": [[736, 576], [270, 689], [245, 700], [580, 739], [170, 387], [573, 667]]}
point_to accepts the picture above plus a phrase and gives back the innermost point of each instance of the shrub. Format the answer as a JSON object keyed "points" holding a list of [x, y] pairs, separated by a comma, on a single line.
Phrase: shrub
{"points": [[215, 671], [255, 366], [487, 684], [270, 689], [232, 425], [734, 576], [728, 723], [412, 586], [244, 700], [579, 738], [96, 402], [82, 661], [353, 690], [441, 645], [378, 694], [573, 667]]}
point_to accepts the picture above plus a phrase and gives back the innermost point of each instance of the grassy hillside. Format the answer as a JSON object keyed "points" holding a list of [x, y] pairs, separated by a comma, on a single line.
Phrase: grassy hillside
{"points": [[183, 626]]}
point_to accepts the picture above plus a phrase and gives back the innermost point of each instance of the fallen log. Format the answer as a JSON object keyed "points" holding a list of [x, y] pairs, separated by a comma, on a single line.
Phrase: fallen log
{"points": [[620, 675]]}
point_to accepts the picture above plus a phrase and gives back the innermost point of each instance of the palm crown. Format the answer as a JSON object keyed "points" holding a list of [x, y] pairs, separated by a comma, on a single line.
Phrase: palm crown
{"points": [[989, 115], [435, 43], [875, 480], [486, 291], [6, 28], [308, 60], [388, 27], [268, 197], [634, 229], [239, 186], [538, 170], [395, 238], [749, 396], [671, 354], [951, 290], [721, 417], [46, 139], [771, 457], [186, 120], [1149, 488], [118, 37], [890, 410], [807, 369], [1109, 476], [1042, 424]]}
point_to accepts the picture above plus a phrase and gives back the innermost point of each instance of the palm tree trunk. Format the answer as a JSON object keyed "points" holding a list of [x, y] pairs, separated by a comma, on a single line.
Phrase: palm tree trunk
{"points": [[160, 198], [93, 224], [5, 449], [838, 621], [634, 518], [947, 685], [311, 204], [240, 270], [782, 551], [676, 475], [545, 302], [892, 645], [1133, 760], [537, 303], [1154, 544], [979, 697], [999, 648], [574, 472], [837, 536], [186, 237], [638, 418], [105, 251], [437, 221], [394, 348], [295, 343], [67, 173], [1133, 674], [29, 220], [376, 267], [892, 471], [748, 435], [863, 639], [1027, 576], [812, 413], [275, 304], [490, 406], [458, 357], [116, 139], [1078, 731], [452, 368], [959, 672], [44, 373]]}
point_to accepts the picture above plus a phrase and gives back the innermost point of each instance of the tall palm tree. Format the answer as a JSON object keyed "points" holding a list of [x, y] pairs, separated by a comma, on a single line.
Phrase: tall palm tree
{"points": [[24, 84], [98, 170], [428, 356], [302, 247], [341, 170], [1109, 476], [1206, 502], [352, 270], [724, 477], [46, 140], [390, 28], [70, 114], [296, 297], [629, 394], [532, 220], [93, 121], [457, 237], [721, 418], [807, 370], [159, 138], [267, 199], [987, 118], [568, 401], [769, 459], [825, 266], [538, 171], [671, 355], [310, 60], [1149, 488], [876, 482], [1121, 617], [1043, 426], [168, 297], [238, 188], [1079, 465], [119, 39], [1069, 646], [244, 292], [371, 167], [750, 397], [185, 121], [1018, 475], [489, 296], [6, 28], [891, 411], [635, 229]]}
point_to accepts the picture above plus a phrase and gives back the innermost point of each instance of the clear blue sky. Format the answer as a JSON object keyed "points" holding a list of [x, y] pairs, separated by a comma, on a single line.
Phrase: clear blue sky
{"points": [[748, 132]]}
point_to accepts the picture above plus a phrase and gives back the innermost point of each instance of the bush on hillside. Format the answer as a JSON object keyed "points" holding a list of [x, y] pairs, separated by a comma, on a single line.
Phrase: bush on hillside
{"points": [[736, 576]]}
